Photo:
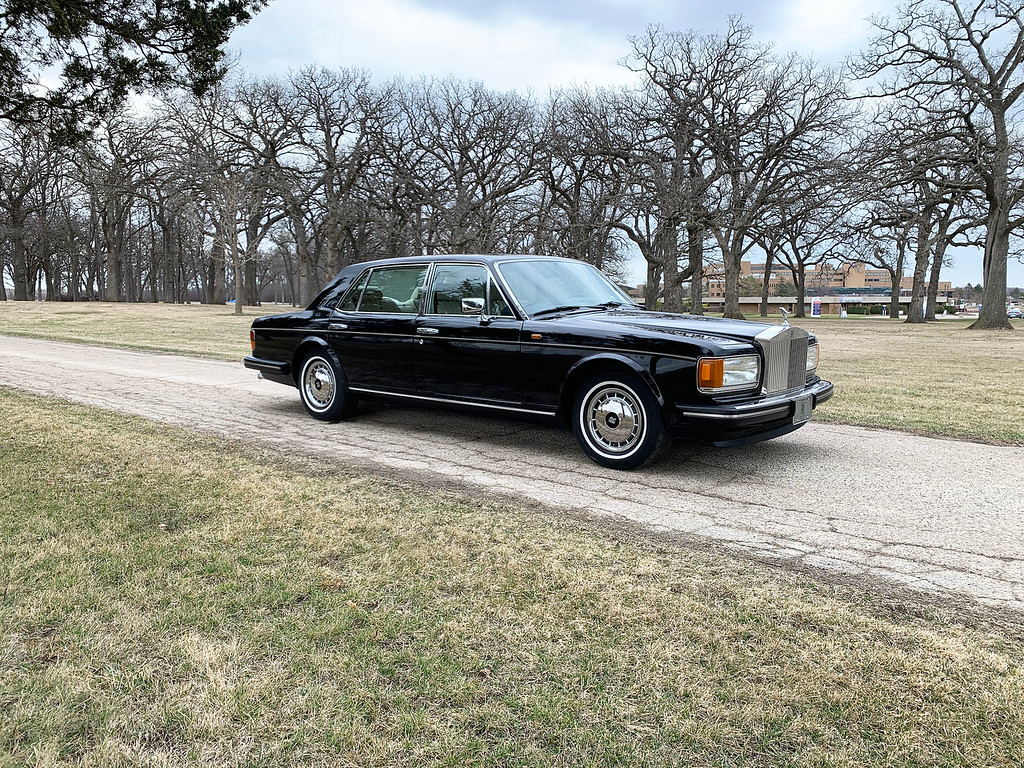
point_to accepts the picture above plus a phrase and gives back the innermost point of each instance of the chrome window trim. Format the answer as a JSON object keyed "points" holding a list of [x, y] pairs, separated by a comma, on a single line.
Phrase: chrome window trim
{"points": [[436, 265], [369, 274]]}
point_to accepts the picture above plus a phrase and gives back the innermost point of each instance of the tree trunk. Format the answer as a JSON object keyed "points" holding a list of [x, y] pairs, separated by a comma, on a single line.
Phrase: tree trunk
{"points": [[800, 281], [915, 313], [236, 271], [697, 292], [673, 286], [732, 256], [766, 284], [695, 257], [111, 253], [992, 316], [997, 235], [895, 275], [938, 255], [652, 286], [19, 259]]}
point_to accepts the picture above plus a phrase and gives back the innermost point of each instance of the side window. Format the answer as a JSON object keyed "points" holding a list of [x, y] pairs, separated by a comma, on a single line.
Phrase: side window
{"points": [[351, 301], [499, 307], [388, 289], [458, 289]]}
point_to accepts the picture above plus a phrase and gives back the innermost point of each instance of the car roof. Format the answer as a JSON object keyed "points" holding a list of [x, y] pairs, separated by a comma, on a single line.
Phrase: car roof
{"points": [[476, 258]]}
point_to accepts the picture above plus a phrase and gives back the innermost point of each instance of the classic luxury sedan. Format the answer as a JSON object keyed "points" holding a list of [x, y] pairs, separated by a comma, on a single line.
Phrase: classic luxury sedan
{"points": [[541, 336]]}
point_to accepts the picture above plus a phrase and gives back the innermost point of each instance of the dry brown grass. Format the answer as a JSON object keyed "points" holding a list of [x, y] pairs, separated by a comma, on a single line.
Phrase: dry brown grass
{"points": [[170, 600], [939, 378], [192, 329]]}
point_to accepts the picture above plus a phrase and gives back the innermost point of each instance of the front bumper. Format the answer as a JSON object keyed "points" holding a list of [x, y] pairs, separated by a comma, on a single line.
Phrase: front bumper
{"points": [[729, 424]]}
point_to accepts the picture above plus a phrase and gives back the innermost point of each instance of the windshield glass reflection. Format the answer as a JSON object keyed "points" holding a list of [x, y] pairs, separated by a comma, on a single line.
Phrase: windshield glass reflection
{"points": [[561, 286]]}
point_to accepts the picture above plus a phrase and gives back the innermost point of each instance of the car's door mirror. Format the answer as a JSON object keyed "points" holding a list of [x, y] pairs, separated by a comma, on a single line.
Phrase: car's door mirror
{"points": [[472, 306]]}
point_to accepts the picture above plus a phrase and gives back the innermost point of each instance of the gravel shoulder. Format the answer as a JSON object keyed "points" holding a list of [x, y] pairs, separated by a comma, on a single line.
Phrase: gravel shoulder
{"points": [[941, 517]]}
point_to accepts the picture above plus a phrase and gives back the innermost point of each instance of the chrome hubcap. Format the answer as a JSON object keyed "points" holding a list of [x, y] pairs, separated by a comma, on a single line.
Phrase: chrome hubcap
{"points": [[318, 385], [614, 419]]}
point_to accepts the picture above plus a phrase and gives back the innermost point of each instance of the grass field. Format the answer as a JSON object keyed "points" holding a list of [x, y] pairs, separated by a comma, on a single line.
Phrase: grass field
{"points": [[173, 600], [938, 379]]}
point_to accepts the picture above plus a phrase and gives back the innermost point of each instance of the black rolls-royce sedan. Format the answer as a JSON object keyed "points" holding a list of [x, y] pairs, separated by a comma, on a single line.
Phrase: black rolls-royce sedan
{"points": [[541, 336]]}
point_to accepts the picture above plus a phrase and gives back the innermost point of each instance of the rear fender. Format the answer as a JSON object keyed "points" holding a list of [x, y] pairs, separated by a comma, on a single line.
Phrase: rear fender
{"points": [[307, 346]]}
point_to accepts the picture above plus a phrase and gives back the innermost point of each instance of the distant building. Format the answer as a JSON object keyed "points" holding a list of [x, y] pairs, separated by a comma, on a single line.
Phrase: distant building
{"points": [[824, 280]]}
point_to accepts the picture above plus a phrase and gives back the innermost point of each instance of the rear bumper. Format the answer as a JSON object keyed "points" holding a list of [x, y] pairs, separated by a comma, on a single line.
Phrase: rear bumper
{"points": [[730, 424], [273, 370]]}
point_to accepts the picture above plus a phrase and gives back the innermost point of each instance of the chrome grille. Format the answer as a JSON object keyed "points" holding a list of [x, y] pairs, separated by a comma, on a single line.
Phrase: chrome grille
{"points": [[785, 358]]}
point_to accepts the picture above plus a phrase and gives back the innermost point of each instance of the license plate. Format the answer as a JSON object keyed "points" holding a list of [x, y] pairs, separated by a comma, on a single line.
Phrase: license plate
{"points": [[802, 410]]}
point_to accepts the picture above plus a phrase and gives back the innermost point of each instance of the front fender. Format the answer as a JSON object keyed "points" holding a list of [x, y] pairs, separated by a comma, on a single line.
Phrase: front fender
{"points": [[638, 365]]}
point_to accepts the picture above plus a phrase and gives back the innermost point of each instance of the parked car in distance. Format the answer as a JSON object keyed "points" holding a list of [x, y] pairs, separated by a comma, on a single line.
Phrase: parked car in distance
{"points": [[1015, 313], [542, 336]]}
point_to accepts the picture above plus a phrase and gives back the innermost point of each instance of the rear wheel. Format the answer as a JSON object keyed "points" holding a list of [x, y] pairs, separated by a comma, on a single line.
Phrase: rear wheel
{"points": [[617, 421], [324, 389]]}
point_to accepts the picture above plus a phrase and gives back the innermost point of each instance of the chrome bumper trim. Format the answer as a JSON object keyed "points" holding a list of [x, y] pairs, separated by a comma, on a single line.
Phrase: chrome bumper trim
{"points": [[775, 406]]}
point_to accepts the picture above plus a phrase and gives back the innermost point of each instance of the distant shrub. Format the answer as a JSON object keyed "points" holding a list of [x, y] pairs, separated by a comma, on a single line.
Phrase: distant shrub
{"points": [[876, 309]]}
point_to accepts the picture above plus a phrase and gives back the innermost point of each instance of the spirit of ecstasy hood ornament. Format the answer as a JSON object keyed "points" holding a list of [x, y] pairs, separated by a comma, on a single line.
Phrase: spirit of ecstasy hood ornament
{"points": [[785, 317]]}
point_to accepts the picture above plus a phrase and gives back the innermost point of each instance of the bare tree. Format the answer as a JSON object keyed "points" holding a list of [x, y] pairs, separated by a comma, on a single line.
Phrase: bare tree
{"points": [[25, 163], [464, 157], [963, 62], [670, 160], [341, 116], [804, 228], [583, 185]]}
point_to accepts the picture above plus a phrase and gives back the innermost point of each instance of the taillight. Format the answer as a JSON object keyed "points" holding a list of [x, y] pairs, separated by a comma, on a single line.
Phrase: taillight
{"points": [[252, 339]]}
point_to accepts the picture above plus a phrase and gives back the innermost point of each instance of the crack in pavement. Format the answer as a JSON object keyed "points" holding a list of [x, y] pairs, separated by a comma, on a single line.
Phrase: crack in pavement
{"points": [[942, 519]]}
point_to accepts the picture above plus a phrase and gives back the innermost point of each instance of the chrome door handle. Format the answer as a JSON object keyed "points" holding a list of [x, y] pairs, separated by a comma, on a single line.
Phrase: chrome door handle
{"points": [[427, 331]]}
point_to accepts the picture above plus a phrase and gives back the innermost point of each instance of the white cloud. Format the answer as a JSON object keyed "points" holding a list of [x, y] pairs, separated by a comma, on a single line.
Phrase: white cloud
{"points": [[392, 37], [826, 29]]}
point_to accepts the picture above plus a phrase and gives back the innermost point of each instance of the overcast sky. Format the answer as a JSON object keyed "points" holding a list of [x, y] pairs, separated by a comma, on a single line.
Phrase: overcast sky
{"points": [[535, 45]]}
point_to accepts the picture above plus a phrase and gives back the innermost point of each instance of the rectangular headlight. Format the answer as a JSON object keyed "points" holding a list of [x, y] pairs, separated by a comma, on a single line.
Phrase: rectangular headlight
{"points": [[725, 374], [812, 359]]}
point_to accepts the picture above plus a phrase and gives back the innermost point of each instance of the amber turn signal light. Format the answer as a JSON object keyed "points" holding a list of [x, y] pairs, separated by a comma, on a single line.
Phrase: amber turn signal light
{"points": [[711, 373]]}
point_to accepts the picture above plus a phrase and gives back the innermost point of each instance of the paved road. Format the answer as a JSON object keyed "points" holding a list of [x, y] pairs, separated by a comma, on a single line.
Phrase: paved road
{"points": [[940, 516]]}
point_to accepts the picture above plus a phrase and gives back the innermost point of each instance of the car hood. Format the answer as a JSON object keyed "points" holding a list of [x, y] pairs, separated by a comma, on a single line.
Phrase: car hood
{"points": [[691, 327]]}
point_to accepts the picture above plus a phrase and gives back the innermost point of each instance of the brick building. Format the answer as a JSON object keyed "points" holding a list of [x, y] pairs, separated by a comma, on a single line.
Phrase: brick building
{"points": [[823, 280]]}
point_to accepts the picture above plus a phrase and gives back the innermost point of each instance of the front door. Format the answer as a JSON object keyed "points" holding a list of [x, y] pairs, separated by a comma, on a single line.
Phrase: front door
{"points": [[467, 339]]}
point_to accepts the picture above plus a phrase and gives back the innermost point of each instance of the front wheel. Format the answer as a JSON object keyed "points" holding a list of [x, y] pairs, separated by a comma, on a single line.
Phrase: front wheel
{"points": [[618, 423], [324, 389]]}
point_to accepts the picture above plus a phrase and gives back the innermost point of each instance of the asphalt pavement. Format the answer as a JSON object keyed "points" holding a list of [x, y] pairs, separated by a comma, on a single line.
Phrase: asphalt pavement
{"points": [[940, 517]]}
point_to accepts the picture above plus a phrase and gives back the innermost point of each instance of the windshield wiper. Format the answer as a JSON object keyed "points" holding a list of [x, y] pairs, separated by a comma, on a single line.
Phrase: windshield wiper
{"points": [[578, 307], [556, 310]]}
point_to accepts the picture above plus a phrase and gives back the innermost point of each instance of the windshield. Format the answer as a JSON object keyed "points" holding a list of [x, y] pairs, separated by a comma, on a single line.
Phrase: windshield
{"points": [[560, 285]]}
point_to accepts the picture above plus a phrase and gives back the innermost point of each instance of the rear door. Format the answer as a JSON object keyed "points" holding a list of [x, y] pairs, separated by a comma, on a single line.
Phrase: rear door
{"points": [[373, 328]]}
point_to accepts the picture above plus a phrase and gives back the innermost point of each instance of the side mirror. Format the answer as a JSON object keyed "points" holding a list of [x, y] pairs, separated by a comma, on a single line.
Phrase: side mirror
{"points": [[472, 306]]}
